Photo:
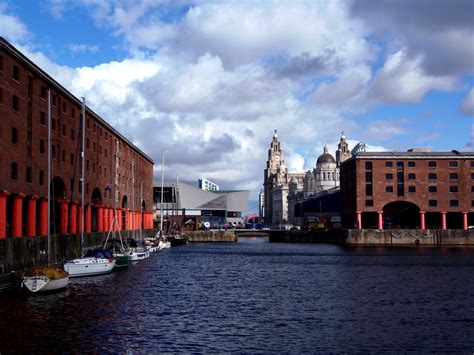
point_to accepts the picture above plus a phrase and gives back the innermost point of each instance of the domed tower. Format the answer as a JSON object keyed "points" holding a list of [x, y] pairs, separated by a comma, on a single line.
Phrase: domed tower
{"points": [[342, 153], [326, 172]]}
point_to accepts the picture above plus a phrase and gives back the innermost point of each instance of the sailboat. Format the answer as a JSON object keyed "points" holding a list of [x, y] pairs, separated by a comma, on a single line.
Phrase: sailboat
{"points": [[163, 242], [50, 277], [121, 255], [99, 262]]}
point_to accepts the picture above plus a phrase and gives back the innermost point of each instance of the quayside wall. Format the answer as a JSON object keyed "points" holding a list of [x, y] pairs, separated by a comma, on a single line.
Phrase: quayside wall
{"points": [[18, 254], [212, 236], [387, 237]]}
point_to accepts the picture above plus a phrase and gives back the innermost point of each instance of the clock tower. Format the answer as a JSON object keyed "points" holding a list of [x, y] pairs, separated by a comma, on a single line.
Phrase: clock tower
{"points": [[275, 175]]}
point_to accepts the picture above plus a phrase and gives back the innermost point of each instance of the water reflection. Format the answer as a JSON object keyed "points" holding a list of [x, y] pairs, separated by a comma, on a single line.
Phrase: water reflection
{"points": [[254, 296]]}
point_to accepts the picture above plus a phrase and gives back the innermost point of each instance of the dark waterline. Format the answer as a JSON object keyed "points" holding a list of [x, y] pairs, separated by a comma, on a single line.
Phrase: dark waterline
{"points": [[253, 296]]}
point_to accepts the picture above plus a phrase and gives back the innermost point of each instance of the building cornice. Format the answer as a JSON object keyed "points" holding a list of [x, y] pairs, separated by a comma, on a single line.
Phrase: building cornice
{"points": [[52, 82]]}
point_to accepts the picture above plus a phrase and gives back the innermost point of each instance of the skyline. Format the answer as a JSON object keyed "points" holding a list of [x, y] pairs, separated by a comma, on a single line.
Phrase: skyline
{"points": [[209, 81]]}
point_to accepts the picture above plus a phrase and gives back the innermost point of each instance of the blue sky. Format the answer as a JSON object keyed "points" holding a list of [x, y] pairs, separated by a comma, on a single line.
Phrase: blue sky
{"points": [[209, 81]]}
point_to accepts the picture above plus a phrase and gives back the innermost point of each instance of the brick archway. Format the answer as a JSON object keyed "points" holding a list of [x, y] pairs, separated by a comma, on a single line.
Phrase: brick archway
{"points": [[401, 214]]}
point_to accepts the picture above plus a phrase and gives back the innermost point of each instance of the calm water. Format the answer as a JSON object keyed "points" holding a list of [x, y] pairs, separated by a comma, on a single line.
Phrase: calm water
{"points": [[254, 296]]}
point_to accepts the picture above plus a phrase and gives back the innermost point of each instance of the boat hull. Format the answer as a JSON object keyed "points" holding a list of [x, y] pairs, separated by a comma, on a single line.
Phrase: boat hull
{"points": [[121, 261], [89, 267], [41, 283]]}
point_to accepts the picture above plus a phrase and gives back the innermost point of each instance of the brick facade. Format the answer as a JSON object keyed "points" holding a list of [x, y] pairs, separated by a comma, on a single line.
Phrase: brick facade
{"points": [[440, 184], [24, 90]]}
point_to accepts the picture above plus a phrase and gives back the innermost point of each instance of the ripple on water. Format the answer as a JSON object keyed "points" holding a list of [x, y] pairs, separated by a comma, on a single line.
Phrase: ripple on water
{"points": [[254, 296]]}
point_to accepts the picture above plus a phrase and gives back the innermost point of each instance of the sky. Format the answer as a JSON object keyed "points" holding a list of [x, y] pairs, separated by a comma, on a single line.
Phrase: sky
{"points": [[210, 81]]}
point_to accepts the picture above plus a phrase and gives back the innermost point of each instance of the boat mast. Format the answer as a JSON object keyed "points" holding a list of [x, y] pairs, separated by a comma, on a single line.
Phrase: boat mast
{"points": [[133, 198], [141, 210], [82, 169], [49, 176], [162, 178]]}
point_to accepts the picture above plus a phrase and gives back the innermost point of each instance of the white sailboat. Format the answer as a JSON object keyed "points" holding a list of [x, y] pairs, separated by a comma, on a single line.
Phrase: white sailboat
{"points": [[47, 278], [96, 264]]}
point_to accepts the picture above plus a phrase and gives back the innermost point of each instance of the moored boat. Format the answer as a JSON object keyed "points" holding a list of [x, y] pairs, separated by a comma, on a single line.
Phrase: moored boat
{"points": [[100, 262], [47, 278]]}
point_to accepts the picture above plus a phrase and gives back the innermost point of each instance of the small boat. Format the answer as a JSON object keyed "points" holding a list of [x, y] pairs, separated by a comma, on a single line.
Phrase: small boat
{"points": [[164, 244], [47, 278], [138, 253], [122, 260], [178, 239], [95, 262]]}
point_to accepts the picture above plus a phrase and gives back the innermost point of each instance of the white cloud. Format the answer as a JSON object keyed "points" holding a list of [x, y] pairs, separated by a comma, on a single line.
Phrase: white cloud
{"points": [[81, 48], [467, 106], [11, 27], [402, 80]]}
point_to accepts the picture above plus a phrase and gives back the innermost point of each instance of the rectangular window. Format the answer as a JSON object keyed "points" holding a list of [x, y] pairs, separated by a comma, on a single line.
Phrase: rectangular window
{"points": [[1, 63], [411, 176], [15, 103], [453, 176], [432, 203], [41, 177], [105, 171], [400, 190], [63, 155], [30, 86], [43, 92], [389, 176], [42, 118], [453, 164], [53, 124], [72, 158], [87, 187], [14, 171], [29, 175], [53, 151], [432, 189], [14, 135], [472, 188], [411, 188], [368, 165], [431, 164], [472, 203], [64, 107], [368, 176], [411, 164], [93, 167], [16, 73], [368, 189], [389, 189], [64, 129], [453, 189], [55, 99], [87, 165], [472, 164], [1, 96], [73, 112], [88, 124], [432, 176], [79, 185], [388, 164], [454, 203], [472, 176], [73, 134], [369, 203], [87, 143], [42, 146]]}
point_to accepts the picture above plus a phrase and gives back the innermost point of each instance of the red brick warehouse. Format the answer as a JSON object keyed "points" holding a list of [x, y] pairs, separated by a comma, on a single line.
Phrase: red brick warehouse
{"points": [[414, 189], [24, 93]]}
